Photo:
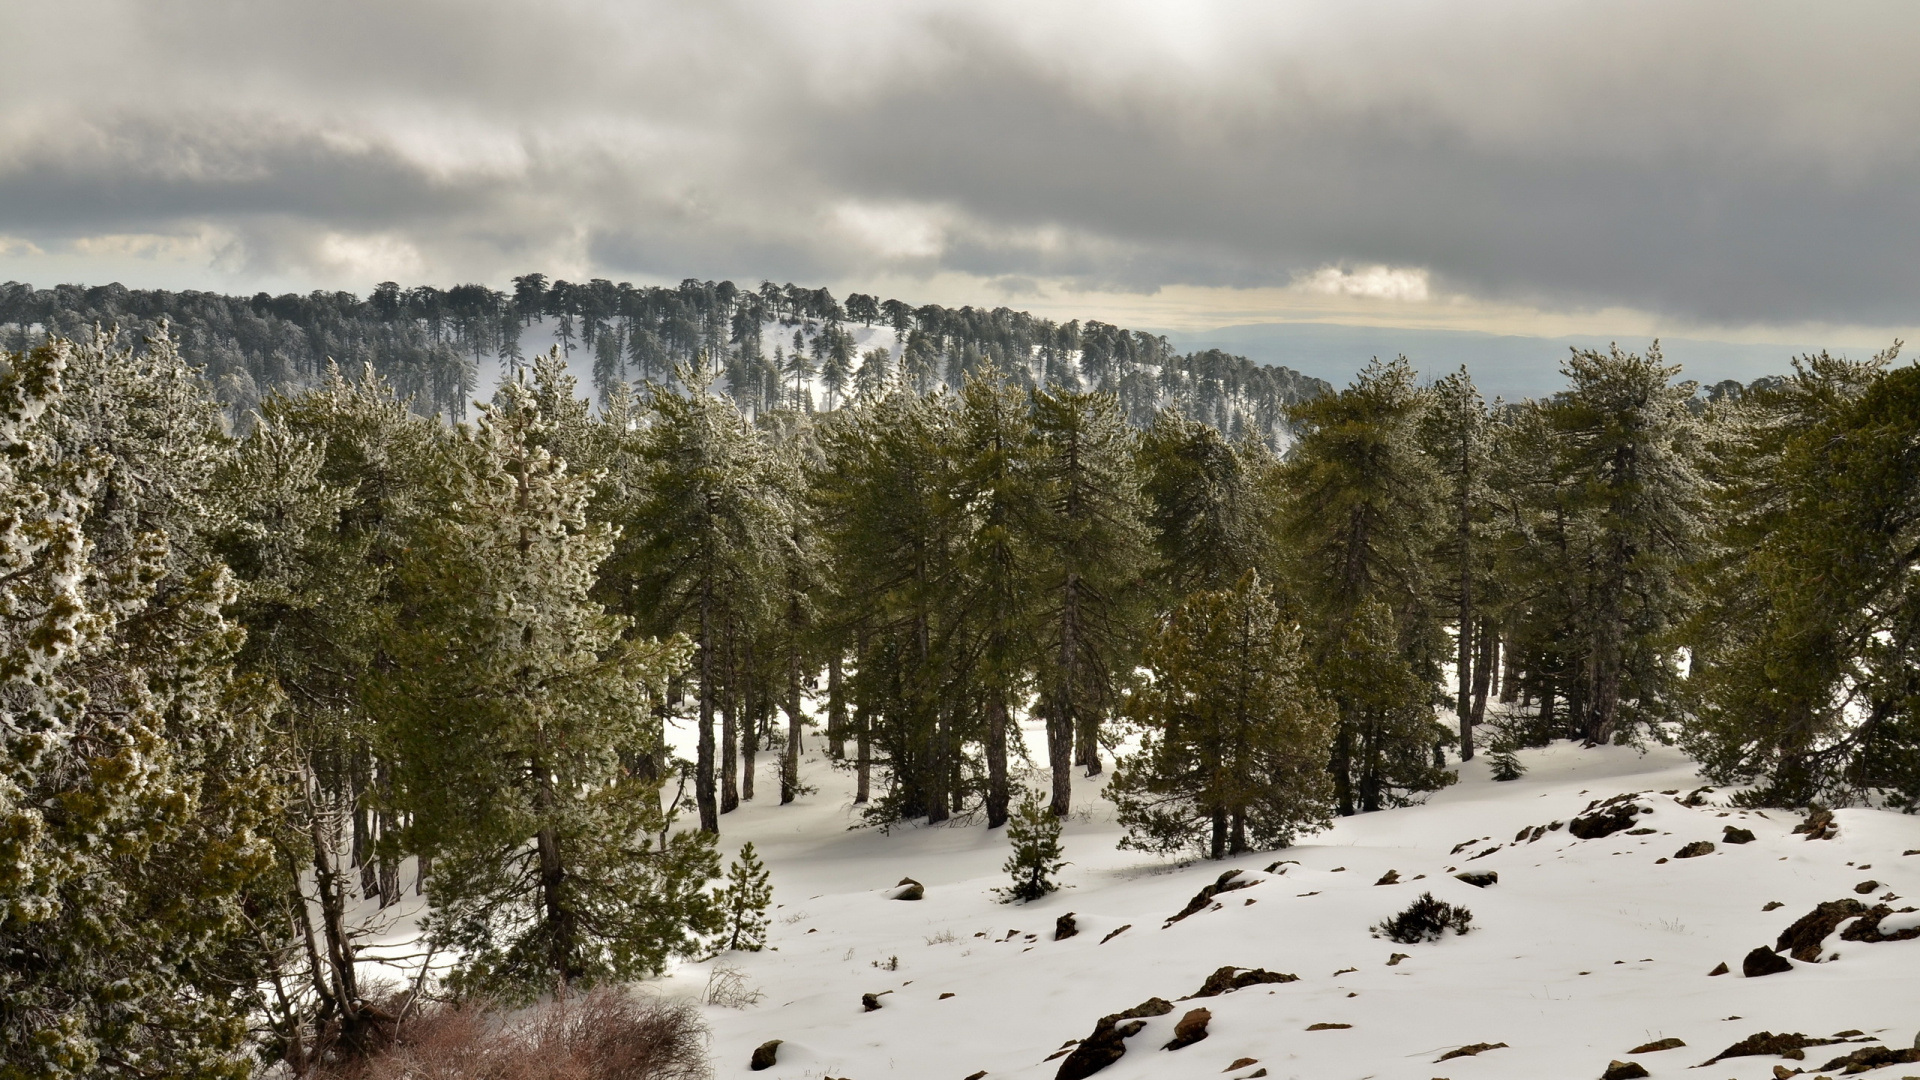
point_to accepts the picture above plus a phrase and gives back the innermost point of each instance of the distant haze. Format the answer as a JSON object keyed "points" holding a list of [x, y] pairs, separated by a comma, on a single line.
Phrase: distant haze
{"points": [[1510, 366]]}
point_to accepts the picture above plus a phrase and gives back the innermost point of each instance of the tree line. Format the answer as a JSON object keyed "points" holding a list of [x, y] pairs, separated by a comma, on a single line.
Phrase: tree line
{"points": [[257, 675], [773, 347]]}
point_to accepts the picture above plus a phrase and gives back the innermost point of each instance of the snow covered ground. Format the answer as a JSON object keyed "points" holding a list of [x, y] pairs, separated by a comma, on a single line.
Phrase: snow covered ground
{"points": [[1583, 950]]}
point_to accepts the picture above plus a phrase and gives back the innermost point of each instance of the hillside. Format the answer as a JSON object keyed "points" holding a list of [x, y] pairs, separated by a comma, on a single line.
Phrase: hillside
{"points": [[1583, 950]]}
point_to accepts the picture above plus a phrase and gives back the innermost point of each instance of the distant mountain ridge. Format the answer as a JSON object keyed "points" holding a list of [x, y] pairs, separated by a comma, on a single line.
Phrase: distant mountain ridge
{"points": [[433, 344]]}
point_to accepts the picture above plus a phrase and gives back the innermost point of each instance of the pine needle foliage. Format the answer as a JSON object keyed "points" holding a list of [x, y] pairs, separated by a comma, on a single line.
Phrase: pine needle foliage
{"points": [[1037, 856], [1234, 734], [744, 901]]}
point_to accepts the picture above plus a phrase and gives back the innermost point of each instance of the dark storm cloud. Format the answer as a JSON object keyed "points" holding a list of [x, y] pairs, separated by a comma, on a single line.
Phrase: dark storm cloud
{"points": [[1721, 162]]}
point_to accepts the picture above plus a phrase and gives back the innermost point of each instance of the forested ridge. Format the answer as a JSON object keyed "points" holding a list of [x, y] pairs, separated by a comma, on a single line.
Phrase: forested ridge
{"points": [[259, 672], [772, 346]]}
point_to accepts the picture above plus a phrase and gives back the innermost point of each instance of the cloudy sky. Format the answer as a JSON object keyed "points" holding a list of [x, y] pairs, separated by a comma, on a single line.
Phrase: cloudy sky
{"points": [[1745, 171]]}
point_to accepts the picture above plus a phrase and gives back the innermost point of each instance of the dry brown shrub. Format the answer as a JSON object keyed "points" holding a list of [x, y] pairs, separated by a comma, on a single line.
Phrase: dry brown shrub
{"points": [[604, 1035]]}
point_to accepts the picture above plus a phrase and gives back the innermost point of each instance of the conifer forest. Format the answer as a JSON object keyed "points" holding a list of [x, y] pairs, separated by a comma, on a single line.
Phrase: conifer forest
{"points": [[293, 626]]}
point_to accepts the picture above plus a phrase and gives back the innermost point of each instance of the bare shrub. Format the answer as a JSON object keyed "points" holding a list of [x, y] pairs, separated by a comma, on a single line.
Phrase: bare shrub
{"points": [[727, 987], [604, 1035]]}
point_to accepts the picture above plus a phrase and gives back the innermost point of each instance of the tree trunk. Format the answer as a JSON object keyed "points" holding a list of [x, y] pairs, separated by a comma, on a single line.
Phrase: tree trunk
{"points": [[1483, 666], [1217, 848], [703, 778], [562, 926], [998, 792], [750, 731], [836, 708], [1061, 717], [863, 755], [1463, 703], [730, 733], [1237, 840], [1342, 768], [790, 760]]}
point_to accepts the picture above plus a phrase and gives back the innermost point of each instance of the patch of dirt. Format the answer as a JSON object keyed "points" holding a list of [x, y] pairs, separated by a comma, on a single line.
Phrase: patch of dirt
{"points": [[1470, 1050]]}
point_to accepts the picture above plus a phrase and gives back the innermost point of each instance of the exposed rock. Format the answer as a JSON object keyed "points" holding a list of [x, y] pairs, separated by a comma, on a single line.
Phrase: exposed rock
{"points": [[1641, 832], [1803, 939], [1871, 1057], [1191, 1029], [1064, 927], [765, 1055], [1328, 1027], [1228, 979], [1736, 835], [1470, 1050], [1866, 886], [1605, 818], [908, 889], [1718, 969], [870, 1002], [1624, 1070], [1394, 960], [1479, 879], [976, 1075], [1391, 877], [1867, 926], [1763, 961], [1657, 1045], [1108, 1044], [1819, 824], [1695, 850], [1224, 884], [1788, 1044], [1116, 932], [1241, 1063], [1772, 905]]}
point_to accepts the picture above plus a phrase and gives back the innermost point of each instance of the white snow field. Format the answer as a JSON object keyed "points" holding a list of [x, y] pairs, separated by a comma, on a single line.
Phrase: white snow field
{"points": [[1583, 950]]}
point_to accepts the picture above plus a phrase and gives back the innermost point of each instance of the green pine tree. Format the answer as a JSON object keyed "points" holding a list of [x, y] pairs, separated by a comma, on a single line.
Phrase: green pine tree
{"points": [[744, 901], [1034, 832], [1235, 736]]}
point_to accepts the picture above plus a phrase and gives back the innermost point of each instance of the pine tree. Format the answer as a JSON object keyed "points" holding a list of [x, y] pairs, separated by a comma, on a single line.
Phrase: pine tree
{"points": [[699, 545], [1804, 676], [997, 481], [1361, 519], [1034, 832], [1092, 553], [743, 903], [1455, 437], [1626, 436], [1207, 506], [1235, 737], [515, 701]]}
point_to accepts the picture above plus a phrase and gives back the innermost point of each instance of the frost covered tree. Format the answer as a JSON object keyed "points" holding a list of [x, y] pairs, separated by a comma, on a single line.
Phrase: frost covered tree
{"points": [[1235, 735], [134, 797], [514, 701]]}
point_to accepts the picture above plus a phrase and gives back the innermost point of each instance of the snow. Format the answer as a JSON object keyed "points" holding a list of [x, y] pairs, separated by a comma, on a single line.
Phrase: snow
{"points": [[1582, 951]]}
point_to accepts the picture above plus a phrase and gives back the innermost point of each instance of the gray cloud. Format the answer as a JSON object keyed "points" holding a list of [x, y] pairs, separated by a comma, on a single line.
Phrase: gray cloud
{"points": [[1719, 162]]}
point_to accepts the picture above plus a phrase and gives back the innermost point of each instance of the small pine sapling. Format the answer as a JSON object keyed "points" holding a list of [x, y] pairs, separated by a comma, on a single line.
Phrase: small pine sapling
{"points": [[1501, 756], [1426, 919], [1035, 834], [744, 902]]}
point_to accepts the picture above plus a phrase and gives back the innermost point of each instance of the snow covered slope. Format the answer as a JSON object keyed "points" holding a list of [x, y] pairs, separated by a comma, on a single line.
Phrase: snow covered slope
{"points": [[1583, 950]]}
